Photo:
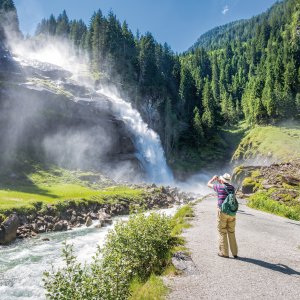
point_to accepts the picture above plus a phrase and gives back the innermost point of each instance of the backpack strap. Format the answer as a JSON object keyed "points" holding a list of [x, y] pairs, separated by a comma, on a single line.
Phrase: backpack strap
{"points": [[225, 187]]}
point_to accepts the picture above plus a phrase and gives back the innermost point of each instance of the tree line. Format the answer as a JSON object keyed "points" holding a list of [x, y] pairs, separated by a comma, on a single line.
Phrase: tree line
{"points": [[246, 70]]}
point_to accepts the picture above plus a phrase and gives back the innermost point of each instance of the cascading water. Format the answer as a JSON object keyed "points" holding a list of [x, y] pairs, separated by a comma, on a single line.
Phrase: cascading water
{"points": [[147, 142], [22, 264]]}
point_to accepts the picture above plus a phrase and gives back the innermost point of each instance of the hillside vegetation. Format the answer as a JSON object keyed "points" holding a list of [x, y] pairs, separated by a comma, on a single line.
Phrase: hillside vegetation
{"points": [[274, 188], [249, 70], [269, 144]]}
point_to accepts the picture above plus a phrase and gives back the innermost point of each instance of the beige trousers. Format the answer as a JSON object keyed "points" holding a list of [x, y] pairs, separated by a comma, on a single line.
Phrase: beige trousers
{"points": [[226, 226]]}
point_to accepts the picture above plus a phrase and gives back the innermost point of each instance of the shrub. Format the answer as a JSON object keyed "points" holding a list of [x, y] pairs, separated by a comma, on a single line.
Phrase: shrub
{"points": [[135, 249]]}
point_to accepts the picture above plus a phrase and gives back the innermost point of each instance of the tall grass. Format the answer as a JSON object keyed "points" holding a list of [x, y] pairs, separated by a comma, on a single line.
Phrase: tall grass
{"points": [[262, 201]]}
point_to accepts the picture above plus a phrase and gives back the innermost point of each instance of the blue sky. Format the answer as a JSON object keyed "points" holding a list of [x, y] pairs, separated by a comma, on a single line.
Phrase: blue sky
{"points": [[177, 22]]}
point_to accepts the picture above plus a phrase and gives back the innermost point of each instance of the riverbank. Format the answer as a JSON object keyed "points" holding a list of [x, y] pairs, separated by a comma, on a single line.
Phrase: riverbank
{"points": [[134, 252], [69, 214], [57, 199]]}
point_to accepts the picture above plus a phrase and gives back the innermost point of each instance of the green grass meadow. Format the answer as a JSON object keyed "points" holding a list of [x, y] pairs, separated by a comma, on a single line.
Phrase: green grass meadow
{"points": [[279, 143], [55, 187]]}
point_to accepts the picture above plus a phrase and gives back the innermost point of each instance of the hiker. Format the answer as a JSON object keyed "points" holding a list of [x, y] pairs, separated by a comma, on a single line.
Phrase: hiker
{"points": [[226, 221]]}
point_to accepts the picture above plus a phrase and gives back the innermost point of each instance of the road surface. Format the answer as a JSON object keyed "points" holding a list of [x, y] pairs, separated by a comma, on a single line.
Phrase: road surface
{"points": [[269, 258]]}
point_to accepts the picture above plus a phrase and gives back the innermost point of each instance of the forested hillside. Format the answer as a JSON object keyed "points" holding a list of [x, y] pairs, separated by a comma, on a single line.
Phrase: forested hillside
{"points": [[247, 70]]}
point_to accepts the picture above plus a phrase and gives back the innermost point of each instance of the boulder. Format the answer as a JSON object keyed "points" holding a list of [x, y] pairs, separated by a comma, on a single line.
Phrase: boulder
{"points": [[8, 229], [184, 263], [291, 180], [88, 221], [58, 226], [108, 221], [35, 227]]}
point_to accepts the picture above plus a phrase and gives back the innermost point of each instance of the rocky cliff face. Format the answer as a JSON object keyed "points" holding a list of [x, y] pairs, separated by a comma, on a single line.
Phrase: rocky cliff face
{"points": [[46, 117], [275, 188]]}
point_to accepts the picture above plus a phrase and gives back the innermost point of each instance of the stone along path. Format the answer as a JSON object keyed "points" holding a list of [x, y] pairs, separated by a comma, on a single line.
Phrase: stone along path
{"points": [[269, 258]]}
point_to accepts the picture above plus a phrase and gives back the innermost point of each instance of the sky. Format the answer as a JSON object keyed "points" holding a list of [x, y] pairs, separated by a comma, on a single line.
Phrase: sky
{"points": [[176, 22]]}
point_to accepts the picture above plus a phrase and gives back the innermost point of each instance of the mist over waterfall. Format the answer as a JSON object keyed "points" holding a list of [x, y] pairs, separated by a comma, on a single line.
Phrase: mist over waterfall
{"points": [[56, 68], [150, 151]]}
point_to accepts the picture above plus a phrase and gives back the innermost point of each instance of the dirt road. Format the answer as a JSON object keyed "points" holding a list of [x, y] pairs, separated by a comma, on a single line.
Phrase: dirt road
{"points": [[269, 258]]}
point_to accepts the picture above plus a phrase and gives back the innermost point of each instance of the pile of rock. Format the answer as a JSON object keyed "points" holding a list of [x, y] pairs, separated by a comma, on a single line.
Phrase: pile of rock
{"points": [[66, 220], [50, 219], [281, 181]]}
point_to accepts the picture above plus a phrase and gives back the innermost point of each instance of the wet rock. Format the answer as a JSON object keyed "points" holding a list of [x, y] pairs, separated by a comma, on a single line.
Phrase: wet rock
{"points": [[64, 225], [93, 215], [58, 226], [35, 227], [80, 220], [104, 218], [291, 180], [39, 223], [42, 229], [88, 222], [73, 219], [8, 229], [108, 221]]}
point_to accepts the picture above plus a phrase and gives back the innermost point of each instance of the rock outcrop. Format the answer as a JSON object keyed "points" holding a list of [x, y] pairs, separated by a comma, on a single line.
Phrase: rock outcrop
{"points": [[280, 181], [97, 214], [8, 229]]}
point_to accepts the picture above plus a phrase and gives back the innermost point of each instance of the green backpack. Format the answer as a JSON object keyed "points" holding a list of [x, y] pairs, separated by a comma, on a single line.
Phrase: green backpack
{"points": [[230, 204]]}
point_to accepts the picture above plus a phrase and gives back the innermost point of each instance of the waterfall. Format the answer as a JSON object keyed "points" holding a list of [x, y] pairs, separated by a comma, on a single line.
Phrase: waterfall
{"points": [[59, 55], [147, 142]]}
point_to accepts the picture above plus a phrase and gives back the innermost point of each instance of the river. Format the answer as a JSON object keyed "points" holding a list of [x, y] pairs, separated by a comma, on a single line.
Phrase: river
{"points": [[22, 263]]}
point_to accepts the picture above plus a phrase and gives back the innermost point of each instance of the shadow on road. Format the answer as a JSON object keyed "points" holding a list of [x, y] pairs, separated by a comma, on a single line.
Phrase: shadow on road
{"points": [[275, 267], [244, 213], [293, 223]]}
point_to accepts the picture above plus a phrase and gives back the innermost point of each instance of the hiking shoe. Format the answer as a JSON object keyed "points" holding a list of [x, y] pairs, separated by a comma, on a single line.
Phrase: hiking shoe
{"points": [[222, 255], [235, 256]]}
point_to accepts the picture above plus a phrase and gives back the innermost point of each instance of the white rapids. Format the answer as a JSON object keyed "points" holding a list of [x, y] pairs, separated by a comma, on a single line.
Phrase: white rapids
{"points": [[22, 264]]}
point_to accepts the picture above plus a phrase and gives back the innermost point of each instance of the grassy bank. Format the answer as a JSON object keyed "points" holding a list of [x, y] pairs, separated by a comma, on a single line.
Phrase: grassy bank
{"points": [[274, 188], [270, 143], [135, 254], [40, 187], [262, 201]]}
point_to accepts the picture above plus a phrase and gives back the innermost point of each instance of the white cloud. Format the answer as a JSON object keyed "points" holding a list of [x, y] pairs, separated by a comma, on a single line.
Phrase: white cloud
{"points": [[225, 10]]}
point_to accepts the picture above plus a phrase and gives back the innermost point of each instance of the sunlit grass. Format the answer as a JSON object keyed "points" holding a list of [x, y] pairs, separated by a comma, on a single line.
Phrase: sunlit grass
{"points": [[57, 186], [152, 289], [278, 143], [262, 201]]}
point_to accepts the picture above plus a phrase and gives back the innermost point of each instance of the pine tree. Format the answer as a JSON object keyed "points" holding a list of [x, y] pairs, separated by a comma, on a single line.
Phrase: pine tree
{"points": [[9, 21], [63, 26], [197, 125], [208, 117]]}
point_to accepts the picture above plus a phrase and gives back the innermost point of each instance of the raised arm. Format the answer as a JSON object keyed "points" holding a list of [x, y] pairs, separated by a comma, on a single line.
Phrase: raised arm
{"points": [[210, 182]]}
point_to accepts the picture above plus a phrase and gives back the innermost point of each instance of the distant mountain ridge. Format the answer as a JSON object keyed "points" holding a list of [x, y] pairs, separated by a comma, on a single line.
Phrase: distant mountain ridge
{"points": [[240, 30]]}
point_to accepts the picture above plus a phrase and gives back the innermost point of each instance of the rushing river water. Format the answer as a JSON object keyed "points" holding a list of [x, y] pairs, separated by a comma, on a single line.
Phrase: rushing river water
{"points": [[23, 263]]}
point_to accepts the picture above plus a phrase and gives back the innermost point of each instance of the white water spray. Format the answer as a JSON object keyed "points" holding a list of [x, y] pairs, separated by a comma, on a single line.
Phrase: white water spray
{"points": [[147, 142]]}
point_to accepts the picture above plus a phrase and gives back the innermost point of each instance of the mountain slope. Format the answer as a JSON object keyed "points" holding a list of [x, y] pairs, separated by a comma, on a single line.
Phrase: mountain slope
{"points": [[241, 30]]}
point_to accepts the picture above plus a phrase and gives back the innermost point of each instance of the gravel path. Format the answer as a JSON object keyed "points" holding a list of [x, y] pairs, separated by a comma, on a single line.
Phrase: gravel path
{"points": [[269, 263]]}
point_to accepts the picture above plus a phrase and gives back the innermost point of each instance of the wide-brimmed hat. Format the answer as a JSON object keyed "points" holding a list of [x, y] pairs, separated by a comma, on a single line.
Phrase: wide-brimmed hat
{"points": [[226, 178]]}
